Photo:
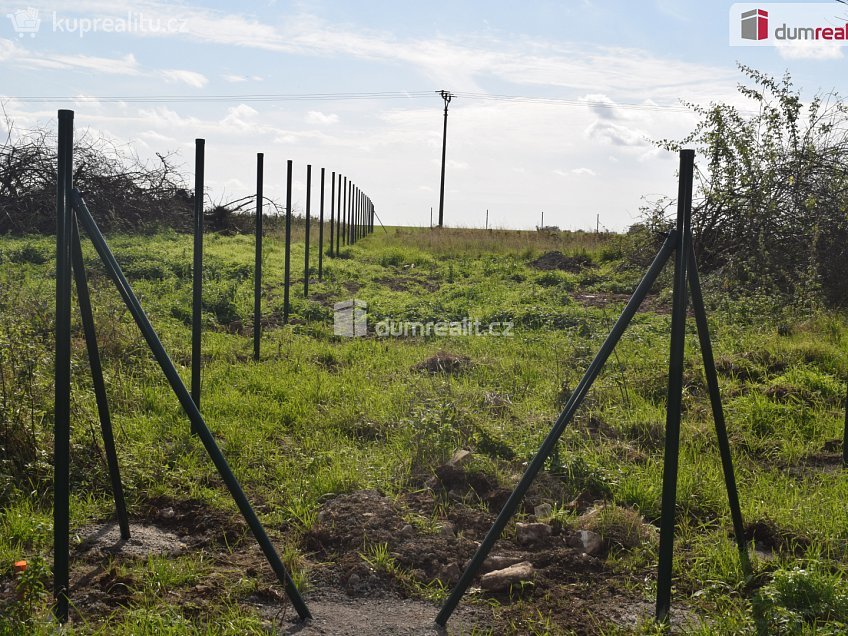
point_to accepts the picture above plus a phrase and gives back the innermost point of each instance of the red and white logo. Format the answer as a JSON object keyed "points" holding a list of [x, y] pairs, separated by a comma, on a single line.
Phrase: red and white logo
{"points": [[755, 24]]}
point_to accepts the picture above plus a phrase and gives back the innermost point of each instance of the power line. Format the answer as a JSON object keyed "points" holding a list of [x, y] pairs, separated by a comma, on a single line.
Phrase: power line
{"points": [[328, 97]]}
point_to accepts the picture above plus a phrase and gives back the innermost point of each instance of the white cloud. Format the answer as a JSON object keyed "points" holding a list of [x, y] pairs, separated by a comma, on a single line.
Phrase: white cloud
{"points": [[584, 172], [19, 56], [241, 117], [321, 119], [617, 134], [236, 78], [193, 79]]}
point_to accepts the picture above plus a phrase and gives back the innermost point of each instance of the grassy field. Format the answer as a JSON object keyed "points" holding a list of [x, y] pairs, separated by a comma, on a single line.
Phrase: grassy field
{"points": [[321, 418]]}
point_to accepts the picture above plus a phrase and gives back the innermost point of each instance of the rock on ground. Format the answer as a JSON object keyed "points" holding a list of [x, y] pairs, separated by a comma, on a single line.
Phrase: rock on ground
{"points": [[502, 580], [527, 533]]}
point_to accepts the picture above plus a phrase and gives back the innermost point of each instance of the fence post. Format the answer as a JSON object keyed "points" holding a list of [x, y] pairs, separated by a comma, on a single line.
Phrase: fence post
{"points": [[197, 270], [306, 231], [287, 266], [675, 386], [257, 264], [718, 410], [339, 216], [343, 231], [351, 190], [87, 316], [332, 212], [321, 230], [62, 377]]}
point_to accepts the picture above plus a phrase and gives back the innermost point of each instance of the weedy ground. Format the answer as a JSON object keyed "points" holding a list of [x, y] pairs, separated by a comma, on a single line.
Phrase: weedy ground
{"points": [[323, 421]]}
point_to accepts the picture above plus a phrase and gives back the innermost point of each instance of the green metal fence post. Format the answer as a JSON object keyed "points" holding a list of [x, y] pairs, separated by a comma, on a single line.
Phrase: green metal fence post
{"points": [[197, 270], [257, 261], [321, 230], [306, 231], [718, 411], [287, 268], [62, 377], [90, 333], [675, 386], [332, 212]]}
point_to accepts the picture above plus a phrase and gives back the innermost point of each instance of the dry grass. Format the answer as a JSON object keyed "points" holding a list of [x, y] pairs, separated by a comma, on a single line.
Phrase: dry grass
{"points": [[471, 240]]}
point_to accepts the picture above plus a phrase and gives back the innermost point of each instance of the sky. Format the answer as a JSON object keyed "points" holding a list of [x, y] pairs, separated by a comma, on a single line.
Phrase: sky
{"points": [[599, 81]]}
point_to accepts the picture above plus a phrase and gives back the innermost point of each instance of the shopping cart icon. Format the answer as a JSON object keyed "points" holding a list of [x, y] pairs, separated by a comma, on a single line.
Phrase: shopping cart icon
{"points": [[25, 21]]}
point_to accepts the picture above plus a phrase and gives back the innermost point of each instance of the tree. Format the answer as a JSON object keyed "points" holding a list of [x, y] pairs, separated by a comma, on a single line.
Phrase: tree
{"points": [[771, 199]]}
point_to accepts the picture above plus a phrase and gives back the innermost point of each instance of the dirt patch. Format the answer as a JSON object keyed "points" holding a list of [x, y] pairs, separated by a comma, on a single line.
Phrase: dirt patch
{"points": [[833, 445], [444, 362], [407, 283], [195, 522], [351, 521], [323, 298], [101, 540], [788, 394], [351, 525], [768, 537], [557, 260], [569, 586], [828, 460]]}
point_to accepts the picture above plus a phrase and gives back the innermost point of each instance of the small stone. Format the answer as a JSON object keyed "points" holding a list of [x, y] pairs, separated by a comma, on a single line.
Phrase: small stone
{"points": [[496, 563], [526, 533], [589, 542], [407, 531], [447, 530], [543, 511], [502, 580], [460, 457], [167, 513], [353, 581]]}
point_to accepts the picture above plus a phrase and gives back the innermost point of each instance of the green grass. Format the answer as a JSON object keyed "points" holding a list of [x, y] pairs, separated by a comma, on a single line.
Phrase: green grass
{"points": [[320, 415]]}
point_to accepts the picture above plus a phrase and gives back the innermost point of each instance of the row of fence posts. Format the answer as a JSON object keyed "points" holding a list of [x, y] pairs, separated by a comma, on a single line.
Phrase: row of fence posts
{"points": [[351, 219]]}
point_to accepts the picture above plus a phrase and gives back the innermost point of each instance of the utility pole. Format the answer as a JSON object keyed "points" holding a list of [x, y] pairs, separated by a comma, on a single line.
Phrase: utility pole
{"points": [[447, 97]]}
